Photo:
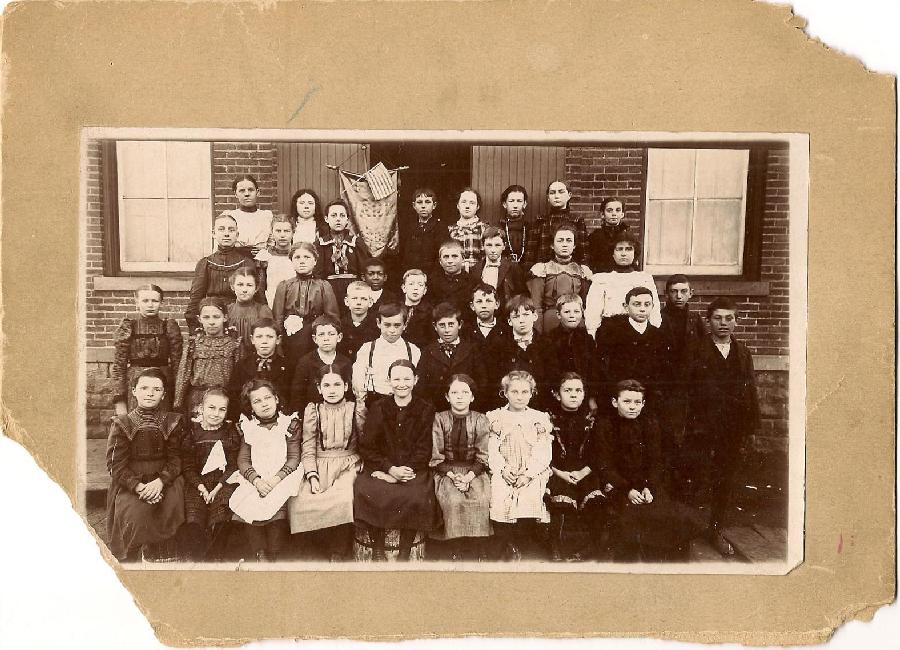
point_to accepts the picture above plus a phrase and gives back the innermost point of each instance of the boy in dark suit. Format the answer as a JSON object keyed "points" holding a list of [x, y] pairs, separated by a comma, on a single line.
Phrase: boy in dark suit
{"points": [[486, 327], [498, 270], [359, 324], [452, 283]]}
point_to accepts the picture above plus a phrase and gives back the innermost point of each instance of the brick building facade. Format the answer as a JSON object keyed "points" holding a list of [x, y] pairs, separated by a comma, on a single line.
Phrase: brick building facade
{"points": [[593, 172]]}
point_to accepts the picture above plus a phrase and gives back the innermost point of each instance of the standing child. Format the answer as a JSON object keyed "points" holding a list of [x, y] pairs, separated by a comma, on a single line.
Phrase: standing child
{"points": [[307, 216], [395, 489], [299, 300], [724, 410], [254, 225], [540, 236], [245, 311], [449, 355], [375, 275], [514, 200], [460, 462], [358, 325], [573, 486], [209, 358], [519, 453], [212, 273], [145, 500], [276, 258], [486, 328], [264, 362], [645, 523], [561, 275], [326, 334], [209, 452], [469, 229], [267, 464], [418, 309], [452, 283], [497, 270], [603, 239], [341, 253], [521, 348], [606, 296], [331, 462], [144, 340], [570, 348], [370, 370], [421, 233]]}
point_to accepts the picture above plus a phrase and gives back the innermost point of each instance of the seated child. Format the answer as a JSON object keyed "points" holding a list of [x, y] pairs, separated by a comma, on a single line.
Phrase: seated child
{"points": [[358, 325], [421, 233], [486, 328], [497, 270], [606, 296], [326, 333], [209, 358], [540, 234], [264, 362], [144, 340], [644, 522], [561, 275], [268, 475], [630, 347], [519, 453], [370, 376], [514, 200], [452, 283], [209, 452], [573, 487], [245, 311], [341, 253], [254, 225], [447, 356], [330, 460], [299, 300], [603, 240], [375, 275], [306, 213], [723, 412], [570, 348], [522, 348], [468, 229], [145, 501], [276, 260], [212, 273], [418, 309], [395, 489], [459, 460]]}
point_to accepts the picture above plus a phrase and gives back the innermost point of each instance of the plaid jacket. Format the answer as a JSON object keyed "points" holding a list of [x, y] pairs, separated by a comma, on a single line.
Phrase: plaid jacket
{"points": [[540, 238]]}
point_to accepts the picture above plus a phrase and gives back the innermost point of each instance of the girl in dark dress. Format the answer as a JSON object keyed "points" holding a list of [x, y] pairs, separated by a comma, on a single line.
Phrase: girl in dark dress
{"points": [[145, 501], [395, 489], [209, 457]]}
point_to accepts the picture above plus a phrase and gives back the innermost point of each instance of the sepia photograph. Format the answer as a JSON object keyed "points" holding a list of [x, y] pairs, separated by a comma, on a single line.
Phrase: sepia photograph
{"points": [[479, 350]]}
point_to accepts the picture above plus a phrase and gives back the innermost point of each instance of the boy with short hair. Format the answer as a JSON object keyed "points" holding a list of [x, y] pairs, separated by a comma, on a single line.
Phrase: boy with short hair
{"points": [[486, 328], [264, 362], [326, 334], [452, 283], [212, 273], [370, 370], [570, 348], [421, 233], [449, 355], [498, 270], [522, 348], [375, 275], [358, 324], [630, 347], [418, 309], [723, 411]]}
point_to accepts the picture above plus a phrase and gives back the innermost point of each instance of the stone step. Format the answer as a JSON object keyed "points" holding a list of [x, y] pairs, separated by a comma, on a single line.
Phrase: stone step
{"points": [[97, 479]]}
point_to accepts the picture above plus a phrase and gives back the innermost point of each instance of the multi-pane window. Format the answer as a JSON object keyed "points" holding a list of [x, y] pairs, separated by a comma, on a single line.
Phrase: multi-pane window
{"points": [[696, 211], [165, 204]]}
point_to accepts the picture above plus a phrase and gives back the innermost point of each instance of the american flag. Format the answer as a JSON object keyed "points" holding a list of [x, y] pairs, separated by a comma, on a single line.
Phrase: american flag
{"points": [[380, 181]]}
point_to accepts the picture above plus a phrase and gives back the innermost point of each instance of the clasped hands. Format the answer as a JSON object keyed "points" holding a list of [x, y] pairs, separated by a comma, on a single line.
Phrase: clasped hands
{"points": [[642, 497], [264, 486], [151, 492], [461, 481], [515, 480], [208, 495], [396, 474]]}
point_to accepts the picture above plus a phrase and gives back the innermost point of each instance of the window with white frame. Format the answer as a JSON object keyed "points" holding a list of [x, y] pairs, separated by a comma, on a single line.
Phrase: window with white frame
{"points": [[696, 211], [164, 204]]}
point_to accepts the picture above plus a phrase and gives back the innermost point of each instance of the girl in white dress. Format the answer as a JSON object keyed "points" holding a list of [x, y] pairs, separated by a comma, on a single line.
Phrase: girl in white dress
{"points": [[519, 454]]}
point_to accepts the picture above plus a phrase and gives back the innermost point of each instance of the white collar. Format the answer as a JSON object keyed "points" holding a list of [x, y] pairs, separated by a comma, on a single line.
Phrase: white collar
{"points": [[638, 327]]}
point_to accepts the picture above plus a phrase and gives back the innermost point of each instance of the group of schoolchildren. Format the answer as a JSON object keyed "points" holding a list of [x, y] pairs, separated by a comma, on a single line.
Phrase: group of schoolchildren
{"points": [[523, 383]]}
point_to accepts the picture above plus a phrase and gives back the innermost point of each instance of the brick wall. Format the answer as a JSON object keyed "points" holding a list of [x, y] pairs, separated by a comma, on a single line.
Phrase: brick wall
{"points": [[232, 159], [597, 173]]}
